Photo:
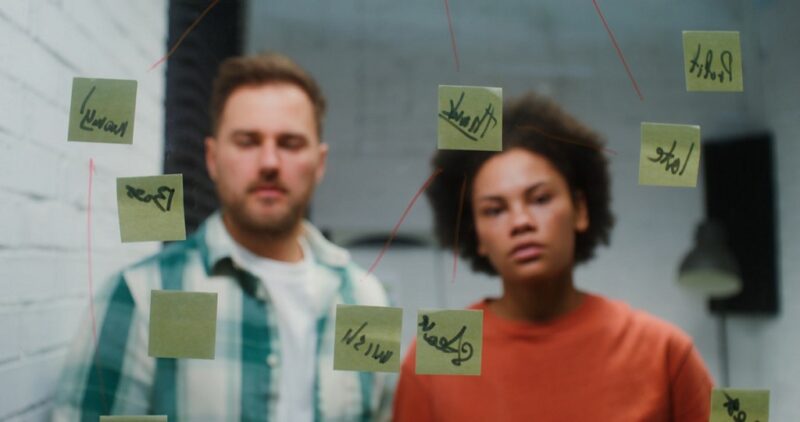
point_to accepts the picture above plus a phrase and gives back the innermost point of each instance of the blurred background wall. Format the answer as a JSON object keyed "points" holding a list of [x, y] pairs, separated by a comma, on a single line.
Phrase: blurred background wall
{"points": [[380, 62]]}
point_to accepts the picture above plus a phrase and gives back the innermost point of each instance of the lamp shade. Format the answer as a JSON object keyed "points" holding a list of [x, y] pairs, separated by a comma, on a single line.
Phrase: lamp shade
{"points": [[710, 268]]}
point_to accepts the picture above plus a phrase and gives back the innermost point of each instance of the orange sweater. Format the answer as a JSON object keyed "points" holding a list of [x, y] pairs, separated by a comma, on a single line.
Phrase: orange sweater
{"points": [[602, 362]]}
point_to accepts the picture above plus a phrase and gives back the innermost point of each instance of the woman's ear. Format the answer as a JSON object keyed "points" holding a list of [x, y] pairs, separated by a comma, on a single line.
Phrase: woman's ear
{"points": [[581, 212]]}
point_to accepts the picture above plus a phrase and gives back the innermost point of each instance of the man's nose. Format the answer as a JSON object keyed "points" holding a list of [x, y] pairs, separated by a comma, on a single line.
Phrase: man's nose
{"points": [[269, 157]]}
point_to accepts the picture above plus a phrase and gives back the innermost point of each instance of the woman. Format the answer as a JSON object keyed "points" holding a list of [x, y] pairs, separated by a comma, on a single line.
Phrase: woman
{"points": [[550, 351]]}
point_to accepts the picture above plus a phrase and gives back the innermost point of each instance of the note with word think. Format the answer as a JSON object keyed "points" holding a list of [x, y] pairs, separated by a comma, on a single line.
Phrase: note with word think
{"points": [[143, 418], [182, 324], [151, 208], [367, 338], [730, 405], [712, 61], [449, 342], [470, 118], [102, 110], [669, 155]]}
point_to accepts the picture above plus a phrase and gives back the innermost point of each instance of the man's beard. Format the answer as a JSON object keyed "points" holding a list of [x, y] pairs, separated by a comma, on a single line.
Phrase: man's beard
{"points": [[269, 226]]}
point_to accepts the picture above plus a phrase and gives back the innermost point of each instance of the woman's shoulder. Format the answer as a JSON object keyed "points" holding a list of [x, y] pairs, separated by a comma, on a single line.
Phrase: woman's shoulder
{"points": [[639, 321]]}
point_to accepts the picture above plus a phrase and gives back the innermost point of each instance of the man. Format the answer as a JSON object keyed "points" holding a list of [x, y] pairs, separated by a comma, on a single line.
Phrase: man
{"points": [[277, 279]]}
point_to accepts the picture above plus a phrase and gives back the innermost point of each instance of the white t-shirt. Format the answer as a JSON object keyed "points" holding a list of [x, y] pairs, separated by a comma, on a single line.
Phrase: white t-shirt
{"points": [[298, 301]]}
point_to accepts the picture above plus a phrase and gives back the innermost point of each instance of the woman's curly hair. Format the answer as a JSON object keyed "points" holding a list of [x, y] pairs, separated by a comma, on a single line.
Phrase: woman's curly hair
{"points": [[538, 125]]}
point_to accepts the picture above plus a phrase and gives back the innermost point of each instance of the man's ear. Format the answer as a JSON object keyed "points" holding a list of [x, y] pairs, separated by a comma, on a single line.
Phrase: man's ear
{"points": [[211, 157], [581, 212], [323, 161]]}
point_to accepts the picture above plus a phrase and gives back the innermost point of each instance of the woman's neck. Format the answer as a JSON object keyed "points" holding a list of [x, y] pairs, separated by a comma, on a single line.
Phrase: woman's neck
{"points": [[538, 301]]}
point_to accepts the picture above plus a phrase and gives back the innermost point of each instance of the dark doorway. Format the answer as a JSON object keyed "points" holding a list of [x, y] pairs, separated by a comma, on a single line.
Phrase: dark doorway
{"points": [[190, 70]]}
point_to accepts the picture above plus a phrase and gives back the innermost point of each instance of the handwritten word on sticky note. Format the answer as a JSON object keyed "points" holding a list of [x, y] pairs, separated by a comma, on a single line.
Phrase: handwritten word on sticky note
{"points": [[151, 208], [449, 342], [470, 118], [712, 61], [143, 418], [367, 338], [739, 405], [182, 324], [102, 110], [670, 155]]}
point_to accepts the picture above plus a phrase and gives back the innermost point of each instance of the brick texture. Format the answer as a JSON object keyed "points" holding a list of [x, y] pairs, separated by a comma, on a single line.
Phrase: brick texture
{"points": [[44, 178]]}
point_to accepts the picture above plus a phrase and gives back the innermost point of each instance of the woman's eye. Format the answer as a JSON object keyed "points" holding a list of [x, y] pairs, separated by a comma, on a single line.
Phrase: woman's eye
{"points": [[542, 199], [489, 212]]}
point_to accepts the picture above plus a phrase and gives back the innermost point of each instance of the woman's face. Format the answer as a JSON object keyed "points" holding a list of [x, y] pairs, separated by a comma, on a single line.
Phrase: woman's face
{"points": [[525, 216]]}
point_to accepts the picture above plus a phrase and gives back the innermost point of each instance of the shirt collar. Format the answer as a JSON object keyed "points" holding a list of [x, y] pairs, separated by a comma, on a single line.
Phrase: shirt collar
{"points": [[219, 245]]}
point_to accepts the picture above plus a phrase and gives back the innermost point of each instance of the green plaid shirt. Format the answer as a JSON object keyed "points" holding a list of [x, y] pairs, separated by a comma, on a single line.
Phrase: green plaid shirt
{"points": [[241, 384]]}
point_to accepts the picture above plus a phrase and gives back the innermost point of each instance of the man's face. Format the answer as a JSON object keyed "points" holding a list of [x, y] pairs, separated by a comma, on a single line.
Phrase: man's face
{"points": [[266, 158]]}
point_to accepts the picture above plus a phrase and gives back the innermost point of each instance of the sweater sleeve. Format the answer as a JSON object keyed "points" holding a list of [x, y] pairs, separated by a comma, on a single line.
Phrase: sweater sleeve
{"points": [[690, 387], [412, 401]]}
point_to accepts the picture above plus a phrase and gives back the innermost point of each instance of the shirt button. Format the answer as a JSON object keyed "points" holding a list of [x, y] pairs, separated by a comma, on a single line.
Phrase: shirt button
{"points": [[272, 360]]}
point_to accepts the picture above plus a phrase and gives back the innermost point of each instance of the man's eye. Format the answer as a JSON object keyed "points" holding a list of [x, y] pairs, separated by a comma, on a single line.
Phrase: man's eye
{"points": [[292, 142], [244, 141]]}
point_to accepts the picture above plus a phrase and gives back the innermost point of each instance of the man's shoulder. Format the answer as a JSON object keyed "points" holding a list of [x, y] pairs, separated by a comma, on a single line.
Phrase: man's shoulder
{"points": [[366, 287], [169, 254], [147, 272]]}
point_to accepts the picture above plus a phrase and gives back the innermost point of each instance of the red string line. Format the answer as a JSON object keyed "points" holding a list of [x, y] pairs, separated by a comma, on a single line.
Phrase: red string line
{"points": [[569, 141], [402, 217], [458, 227], [452, 34], [185, 33], [619, 51], [91, 282]]}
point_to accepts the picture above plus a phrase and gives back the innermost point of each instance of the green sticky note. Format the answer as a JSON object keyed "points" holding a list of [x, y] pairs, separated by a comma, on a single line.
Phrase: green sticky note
{"points": [[367, 338], [729, 405], [102, 110], [449, 342], [151, 208], [712, 61], [182, 324], [669, 155], [142, 418], [470, 118]]}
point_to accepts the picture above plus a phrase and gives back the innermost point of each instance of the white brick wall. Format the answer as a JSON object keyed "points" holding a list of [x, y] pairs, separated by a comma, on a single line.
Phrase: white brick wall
{"points": [[44, 179]]}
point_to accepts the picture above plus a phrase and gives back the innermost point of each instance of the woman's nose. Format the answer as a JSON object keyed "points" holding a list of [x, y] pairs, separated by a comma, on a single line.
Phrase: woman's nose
{"points": [[522, 220]]}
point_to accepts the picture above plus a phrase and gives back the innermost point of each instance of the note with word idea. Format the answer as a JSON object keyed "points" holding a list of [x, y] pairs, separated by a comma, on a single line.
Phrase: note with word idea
{"points": [[102, 110], [669, 155], [367, 338], [449, 342], [731, 405], [470, 118], [151, 208], [712, 61]]}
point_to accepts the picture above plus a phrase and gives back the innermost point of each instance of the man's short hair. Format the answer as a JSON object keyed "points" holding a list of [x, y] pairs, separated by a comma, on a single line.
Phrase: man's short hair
{"points": [[262, 69], [540, 126]]}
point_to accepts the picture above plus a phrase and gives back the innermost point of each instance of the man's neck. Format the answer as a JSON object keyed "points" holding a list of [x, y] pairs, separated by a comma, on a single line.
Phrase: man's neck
{"points": [[538, 301], [284, 247]]}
